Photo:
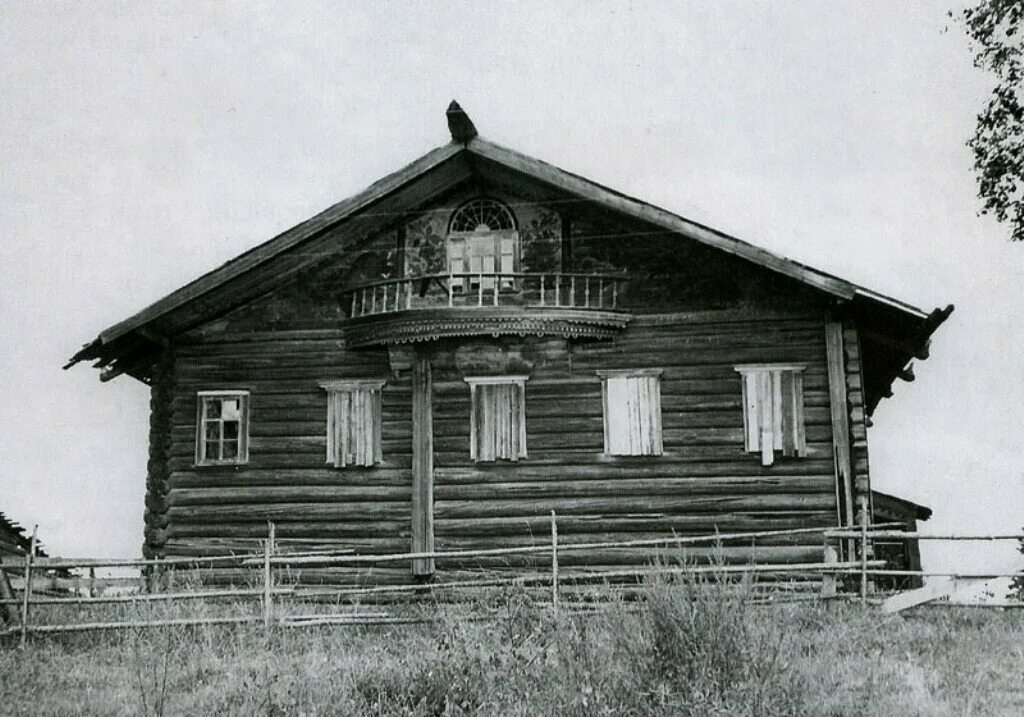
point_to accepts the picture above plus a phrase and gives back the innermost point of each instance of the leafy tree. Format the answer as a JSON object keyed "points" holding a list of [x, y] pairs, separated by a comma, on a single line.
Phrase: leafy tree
{"points": [[994, 27]]}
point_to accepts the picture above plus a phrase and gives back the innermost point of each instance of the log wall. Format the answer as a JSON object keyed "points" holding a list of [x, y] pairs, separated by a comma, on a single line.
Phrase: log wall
{"points": [[703, 482]]}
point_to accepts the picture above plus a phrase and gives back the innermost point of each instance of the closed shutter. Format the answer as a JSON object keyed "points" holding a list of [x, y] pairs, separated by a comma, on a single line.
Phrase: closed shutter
{"points": [[498, 418], [353, 423], [632, 412], [773, 410]]}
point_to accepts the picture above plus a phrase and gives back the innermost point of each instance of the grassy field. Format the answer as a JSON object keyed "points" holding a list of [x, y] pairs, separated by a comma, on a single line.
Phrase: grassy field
{"points": [[684, 650]]}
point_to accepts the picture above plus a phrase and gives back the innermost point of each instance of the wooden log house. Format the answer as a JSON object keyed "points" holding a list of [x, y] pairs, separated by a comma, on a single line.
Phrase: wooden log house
{"points": [[480, 339]]}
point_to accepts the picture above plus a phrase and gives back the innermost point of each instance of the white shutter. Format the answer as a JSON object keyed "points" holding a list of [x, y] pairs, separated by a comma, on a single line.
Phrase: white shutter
{"points": [[353, 422], [773, 410], [497, 418], [632, 412]]}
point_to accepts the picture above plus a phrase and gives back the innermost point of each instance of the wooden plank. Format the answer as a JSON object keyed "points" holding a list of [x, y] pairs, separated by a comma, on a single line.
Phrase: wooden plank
{"points": [[840, 417], [936, 589], [422, 466]]}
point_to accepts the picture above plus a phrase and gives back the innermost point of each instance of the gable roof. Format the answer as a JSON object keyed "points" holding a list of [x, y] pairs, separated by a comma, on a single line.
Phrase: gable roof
{"points": [[117, 346]]}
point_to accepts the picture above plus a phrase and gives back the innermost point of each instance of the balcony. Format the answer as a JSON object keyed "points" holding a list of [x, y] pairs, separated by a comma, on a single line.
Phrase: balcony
{"points": [[425, 308]]}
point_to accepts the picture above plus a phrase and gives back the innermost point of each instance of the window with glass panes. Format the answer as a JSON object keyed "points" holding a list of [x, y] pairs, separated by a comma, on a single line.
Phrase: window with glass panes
{"points": [[482, 239], [222, 427]]}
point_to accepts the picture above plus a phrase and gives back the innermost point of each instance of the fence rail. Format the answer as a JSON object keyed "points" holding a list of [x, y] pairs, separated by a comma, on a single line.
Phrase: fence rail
{"points": [[268, 564]]}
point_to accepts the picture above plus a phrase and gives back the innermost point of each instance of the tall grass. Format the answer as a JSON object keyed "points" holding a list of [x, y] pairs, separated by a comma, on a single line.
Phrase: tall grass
{"points": [[687, 646]]}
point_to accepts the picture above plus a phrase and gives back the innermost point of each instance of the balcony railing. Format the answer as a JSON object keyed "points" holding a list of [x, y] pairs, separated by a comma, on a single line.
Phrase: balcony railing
{"points": [[488, 289]]}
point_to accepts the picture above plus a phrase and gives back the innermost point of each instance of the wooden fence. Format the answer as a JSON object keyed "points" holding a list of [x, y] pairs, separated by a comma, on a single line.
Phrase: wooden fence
{"points": [[265, 567]]}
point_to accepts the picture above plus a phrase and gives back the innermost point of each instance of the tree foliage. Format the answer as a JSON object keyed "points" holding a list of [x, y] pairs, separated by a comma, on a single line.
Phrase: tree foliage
{"points": [[994, 27]]}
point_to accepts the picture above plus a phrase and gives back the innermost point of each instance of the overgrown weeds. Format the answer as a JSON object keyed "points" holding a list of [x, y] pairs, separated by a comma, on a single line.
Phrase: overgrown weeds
{"points": [[684, 646]]}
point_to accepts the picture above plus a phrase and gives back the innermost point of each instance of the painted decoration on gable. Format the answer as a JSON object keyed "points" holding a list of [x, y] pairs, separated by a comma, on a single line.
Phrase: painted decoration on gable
{"points": [[540, 234], [424, 244]]}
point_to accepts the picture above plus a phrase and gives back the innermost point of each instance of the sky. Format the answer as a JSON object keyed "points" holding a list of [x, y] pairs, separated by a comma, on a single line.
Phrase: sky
{"points": [[143, 144]]}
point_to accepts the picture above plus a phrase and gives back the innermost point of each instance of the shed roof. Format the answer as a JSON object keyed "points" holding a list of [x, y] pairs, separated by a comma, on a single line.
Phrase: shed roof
{"points": [[903, 333]]}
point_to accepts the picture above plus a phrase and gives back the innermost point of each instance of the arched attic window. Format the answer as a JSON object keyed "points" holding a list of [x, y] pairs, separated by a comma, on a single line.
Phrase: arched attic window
{"points": [[482, 238]]}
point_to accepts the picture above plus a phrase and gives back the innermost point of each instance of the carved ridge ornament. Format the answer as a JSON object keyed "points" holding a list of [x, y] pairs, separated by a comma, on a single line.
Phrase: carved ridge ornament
{"points": [[395, 329]]}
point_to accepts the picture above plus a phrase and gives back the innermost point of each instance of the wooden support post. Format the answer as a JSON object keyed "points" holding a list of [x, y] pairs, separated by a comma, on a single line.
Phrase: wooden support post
{"points": [[828, 580], [600, 293], [572, 290], [615, 293], [558, 290], [542, 290], [840, 424], [554, 562], [352, 314], [268, 579], [480, 290], [26, 593], [6, 598], [422, 467], [408, 294], [863, 549], [92, 582], [451, 291]]}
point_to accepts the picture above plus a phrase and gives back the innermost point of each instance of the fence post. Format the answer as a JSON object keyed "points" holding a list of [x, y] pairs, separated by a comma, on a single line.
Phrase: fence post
{"points": [[863, 500], [268, 579], [828, 580], [554, 562], [92, 582], [26, 594]]}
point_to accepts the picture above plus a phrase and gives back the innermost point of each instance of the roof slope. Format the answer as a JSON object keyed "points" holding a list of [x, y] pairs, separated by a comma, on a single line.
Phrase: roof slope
{"points": [[119, 344]]}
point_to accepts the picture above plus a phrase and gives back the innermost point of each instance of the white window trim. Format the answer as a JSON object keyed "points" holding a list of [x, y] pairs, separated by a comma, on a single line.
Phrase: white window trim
{"points": [[767, 451], [242, 456], [658, 448], [517, 380], [352, 385]]}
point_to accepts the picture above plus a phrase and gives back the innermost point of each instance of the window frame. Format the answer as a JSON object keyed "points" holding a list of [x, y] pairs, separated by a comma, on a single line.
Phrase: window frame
{"points": [[497, 237], [474, 382], [656, 427], [203, 398], [752, 404], [375, 387]]}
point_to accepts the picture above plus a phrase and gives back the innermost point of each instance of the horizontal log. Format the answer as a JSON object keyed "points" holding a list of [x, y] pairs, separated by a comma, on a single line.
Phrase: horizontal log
{"points": [[344, 493], [351, 545], [569, 456], [300, 527], [380, 510], [631, 504], [669, 486], [182, 461], [668, 556], [271, 346], [627, 524], [323, 476]]}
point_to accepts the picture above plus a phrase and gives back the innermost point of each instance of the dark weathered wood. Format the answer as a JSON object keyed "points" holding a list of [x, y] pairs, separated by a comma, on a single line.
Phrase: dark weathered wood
{"points": [[422, 466], [840, 417]]}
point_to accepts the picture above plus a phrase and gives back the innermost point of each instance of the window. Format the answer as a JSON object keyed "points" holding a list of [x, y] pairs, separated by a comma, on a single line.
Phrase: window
{"points": [[482, 238], [353, 422], [498, 418], [632, 412], [222, 428], [773, 410]]}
